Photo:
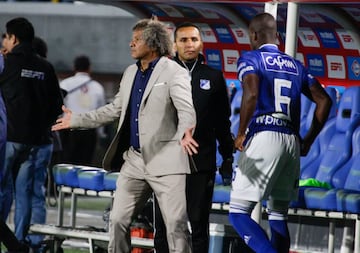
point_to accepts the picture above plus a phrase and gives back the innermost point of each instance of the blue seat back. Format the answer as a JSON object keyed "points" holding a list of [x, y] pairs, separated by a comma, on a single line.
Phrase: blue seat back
{"points": [[310, 163], [304, 128], [339, 150], [353, 179], [348, 176]]}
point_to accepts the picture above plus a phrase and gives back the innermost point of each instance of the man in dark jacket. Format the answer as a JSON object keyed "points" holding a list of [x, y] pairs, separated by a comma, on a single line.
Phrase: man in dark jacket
{"points": [[32, 97], [212, 108]]}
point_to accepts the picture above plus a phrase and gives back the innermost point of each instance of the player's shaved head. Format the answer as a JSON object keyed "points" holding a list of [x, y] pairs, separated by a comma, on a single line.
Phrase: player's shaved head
{"points": [[263, 30]]}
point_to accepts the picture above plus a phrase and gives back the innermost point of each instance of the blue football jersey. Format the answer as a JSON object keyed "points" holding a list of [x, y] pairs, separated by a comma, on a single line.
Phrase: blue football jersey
{"points": [[282, 80]]}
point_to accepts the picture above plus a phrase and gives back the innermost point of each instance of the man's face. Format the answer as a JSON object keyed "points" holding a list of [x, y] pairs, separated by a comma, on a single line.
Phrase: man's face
{"points": [[9, 41], [139, 50], [188, 43]]}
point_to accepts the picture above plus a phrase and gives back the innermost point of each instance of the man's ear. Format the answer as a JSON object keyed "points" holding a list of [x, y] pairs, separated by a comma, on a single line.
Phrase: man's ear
{"points": [[13, 39]]}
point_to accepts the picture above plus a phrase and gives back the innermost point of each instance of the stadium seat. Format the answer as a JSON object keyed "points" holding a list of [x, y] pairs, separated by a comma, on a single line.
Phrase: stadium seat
{"points": [[310, 163], [91, 179], [348, 199], [304, 112], [61, 173], [110, 179], [68, 174], [338, 151], [332, 199]]}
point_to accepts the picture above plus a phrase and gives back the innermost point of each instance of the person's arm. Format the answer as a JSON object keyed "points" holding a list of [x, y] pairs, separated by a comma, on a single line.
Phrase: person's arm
{"points": [[181, 96], [323, 105], [250, 87], [222, 119], [222, 129]]}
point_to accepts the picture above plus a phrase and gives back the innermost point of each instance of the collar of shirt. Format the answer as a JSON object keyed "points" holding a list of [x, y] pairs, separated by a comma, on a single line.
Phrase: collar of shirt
{"points": [[81, 74], [273, 46], [151, 65]]}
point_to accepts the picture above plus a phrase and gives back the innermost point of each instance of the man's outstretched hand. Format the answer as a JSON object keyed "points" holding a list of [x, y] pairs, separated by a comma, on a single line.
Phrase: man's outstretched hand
{"points": [[64, 121]]}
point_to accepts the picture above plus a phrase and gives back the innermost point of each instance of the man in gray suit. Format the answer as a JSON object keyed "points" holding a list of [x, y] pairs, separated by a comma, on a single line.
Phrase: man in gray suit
{"points": [[156, 119]]}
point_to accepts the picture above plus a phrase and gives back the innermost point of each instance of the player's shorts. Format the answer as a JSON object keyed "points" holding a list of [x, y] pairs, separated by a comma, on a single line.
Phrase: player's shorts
{"points": [[268, 168]]}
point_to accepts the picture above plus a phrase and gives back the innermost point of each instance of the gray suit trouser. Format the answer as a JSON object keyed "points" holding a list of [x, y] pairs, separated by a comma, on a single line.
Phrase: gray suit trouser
{"points": [[134, 186]]}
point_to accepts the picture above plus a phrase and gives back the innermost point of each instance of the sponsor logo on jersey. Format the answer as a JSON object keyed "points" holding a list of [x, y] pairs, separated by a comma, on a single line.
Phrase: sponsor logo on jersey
{"points": [[279, 63], [247, 238], [336, 66], [205, 84], [270, 120], [32, 74]]}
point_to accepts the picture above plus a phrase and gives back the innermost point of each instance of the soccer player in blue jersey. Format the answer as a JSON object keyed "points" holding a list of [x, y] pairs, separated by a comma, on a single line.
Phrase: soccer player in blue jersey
{"points": [[268, 135]]}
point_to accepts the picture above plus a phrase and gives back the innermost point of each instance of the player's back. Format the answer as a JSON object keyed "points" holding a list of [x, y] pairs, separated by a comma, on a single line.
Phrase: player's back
{"points": [[280, 83]]}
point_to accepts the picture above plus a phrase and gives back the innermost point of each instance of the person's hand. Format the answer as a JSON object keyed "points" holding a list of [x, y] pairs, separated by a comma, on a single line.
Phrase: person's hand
{"points": [[3, 51], [226, 171], [239, 142], [64, 121], [188, 143]]}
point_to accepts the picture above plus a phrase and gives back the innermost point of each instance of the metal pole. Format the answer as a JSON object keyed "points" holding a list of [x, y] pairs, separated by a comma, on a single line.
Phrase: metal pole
{"points": [[292, 23]]}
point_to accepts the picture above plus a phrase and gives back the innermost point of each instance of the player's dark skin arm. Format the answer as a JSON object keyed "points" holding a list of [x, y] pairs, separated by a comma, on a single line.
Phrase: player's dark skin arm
{"points": [[323, 104], [248, 106]]}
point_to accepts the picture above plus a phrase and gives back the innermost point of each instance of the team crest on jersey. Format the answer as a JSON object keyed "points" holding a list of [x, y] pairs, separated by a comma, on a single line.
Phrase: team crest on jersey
{"points": [[205, 84], [279, 63]]}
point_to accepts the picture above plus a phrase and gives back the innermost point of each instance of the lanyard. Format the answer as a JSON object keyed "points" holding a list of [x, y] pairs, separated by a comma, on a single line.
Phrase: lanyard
{"points": [[190, 70]]}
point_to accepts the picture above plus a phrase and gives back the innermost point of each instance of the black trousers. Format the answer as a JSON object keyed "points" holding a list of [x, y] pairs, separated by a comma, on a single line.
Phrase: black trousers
{"points": [[78, 146], [10, 241], [199, 192]]}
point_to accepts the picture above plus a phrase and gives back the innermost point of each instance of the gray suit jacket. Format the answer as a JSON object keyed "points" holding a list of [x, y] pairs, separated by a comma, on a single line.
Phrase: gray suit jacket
{"points": [[166, 111]]}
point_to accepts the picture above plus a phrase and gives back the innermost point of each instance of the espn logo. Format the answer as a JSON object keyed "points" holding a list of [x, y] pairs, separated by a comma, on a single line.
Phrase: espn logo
{"points": [[336, 66], [347, 38], [231, 60]]}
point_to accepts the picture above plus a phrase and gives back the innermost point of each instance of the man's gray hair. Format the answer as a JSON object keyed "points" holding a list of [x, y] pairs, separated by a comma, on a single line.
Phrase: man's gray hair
{"points": [[155, 35]]}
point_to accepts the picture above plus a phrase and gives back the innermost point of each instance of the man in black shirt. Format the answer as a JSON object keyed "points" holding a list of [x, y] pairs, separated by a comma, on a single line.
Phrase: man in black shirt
{"points": [[32, 97], [212, 108]]}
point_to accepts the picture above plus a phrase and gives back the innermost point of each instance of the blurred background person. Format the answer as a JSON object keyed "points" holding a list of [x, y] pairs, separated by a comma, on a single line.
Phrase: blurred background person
{"points": [[83, 94]]}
